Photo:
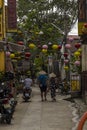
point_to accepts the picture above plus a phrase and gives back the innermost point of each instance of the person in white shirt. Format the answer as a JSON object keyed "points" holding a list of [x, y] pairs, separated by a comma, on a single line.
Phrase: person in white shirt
{"points": [[28, 82]]}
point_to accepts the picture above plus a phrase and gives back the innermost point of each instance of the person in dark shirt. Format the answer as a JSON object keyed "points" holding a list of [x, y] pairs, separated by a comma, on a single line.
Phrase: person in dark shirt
{"points": [[42, 80], [53, 88]]}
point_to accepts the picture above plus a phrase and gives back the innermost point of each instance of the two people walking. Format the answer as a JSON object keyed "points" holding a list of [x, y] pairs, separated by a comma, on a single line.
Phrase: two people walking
{"points": [[47, 83]]}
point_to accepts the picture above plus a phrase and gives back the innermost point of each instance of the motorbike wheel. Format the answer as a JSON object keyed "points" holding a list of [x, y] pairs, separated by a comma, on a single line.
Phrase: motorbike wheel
{"points": [[26, 99], [8, 119]]}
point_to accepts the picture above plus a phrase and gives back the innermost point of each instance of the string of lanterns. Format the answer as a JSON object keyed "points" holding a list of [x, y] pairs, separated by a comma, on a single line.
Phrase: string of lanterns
{"points": [[44, 49], [77, 55]]}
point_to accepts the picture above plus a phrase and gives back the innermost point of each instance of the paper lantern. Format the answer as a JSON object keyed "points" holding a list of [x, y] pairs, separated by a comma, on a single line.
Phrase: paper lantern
{"points": [[66, 61], [45, 47], [55, 47], [65, 55], [27, 54], [8, 53], [77, 53], [70, 39], [12, 55], [31, 46], [20, 43], [77, 45], [85, 25], [44, 50], [77, 63], [59, 47], [79, 49], [66, 67], [67, 46]]}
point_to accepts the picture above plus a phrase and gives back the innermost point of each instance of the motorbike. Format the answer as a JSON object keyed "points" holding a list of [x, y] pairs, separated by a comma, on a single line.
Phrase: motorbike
{"points": [[7, 104], [12, 102], [5, 111], [64, 87], [27, 94]]}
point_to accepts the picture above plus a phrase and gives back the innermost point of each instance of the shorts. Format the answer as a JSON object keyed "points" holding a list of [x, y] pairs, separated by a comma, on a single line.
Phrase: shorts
{"points": [[43, 88]]}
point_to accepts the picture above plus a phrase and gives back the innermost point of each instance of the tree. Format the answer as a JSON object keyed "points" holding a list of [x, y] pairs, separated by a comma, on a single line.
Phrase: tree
{"points": [[41, 15]]}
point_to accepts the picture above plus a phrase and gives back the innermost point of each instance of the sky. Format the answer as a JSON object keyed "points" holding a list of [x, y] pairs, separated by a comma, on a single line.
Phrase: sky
{"points": [[74, 31]]}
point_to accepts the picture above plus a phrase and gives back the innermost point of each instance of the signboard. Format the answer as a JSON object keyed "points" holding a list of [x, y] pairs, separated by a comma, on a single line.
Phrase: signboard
{"points": [[1, 7], [1, 3], [82, 14], [11, 14], [75, 83], [2, 61], [82, 10]]}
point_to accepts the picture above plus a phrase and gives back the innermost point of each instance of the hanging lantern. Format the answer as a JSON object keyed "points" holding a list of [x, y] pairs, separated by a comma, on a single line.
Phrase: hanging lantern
{"points": [[20, 43], [12, 55], [55, 47], [31, 46], [59, 47], [27, 54], [85, 25], [67, 46], [77, 53], [66, 67], [77, 63], [70, 39], [66, 61], [77, 45], [79, 49], [8, 53], [44, 50], [45, 47], [65, 55]]}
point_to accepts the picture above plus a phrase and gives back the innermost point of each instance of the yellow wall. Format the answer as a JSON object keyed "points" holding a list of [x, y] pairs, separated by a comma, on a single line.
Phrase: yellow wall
{"points": [[2, 61]]}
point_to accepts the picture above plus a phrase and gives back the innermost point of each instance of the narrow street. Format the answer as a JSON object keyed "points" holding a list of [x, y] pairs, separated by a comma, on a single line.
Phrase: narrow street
{"points": [[37, 115]]}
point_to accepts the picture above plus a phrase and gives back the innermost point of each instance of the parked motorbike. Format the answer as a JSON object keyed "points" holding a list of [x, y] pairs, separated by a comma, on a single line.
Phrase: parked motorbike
{"points": [[64, 87], [7, 104], [5, 111], [12, 102], [26, 94]]}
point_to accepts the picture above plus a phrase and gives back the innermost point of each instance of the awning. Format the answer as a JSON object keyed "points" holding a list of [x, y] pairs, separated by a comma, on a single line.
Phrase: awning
{"points": [[11, 46]]}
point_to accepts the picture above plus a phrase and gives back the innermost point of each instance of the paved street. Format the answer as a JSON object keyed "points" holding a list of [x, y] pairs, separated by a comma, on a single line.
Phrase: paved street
{"points": [[37, 115]]}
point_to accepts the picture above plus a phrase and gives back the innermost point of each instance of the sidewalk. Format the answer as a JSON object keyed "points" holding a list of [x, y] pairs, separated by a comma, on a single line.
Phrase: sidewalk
{"points": [[81, 109], [60, 115]]}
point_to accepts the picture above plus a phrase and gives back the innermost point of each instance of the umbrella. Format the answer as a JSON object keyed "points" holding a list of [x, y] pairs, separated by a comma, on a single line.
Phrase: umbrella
{"points": [[42, 72], [52, 75]]}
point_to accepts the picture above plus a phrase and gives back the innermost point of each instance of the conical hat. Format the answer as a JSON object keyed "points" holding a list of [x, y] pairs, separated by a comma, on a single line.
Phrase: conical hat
{"points": [[42, 72], [52, 75]]}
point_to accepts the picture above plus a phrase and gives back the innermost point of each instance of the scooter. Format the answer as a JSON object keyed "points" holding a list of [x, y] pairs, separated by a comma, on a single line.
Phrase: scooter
{"points": [[5, 111], [27, 94], [65, 88], [12, 102]]}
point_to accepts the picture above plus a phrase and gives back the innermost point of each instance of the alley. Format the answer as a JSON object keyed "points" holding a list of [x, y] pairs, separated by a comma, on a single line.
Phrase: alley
{"points": [[37, 115]]}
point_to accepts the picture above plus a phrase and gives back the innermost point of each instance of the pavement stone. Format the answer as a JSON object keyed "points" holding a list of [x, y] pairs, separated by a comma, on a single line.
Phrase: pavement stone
{"points": [[64, 114], [56, 115], [81, 107]]}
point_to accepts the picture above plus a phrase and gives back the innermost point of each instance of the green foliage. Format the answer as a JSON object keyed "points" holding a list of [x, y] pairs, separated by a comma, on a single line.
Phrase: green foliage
{"points": [[42, 13]]}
